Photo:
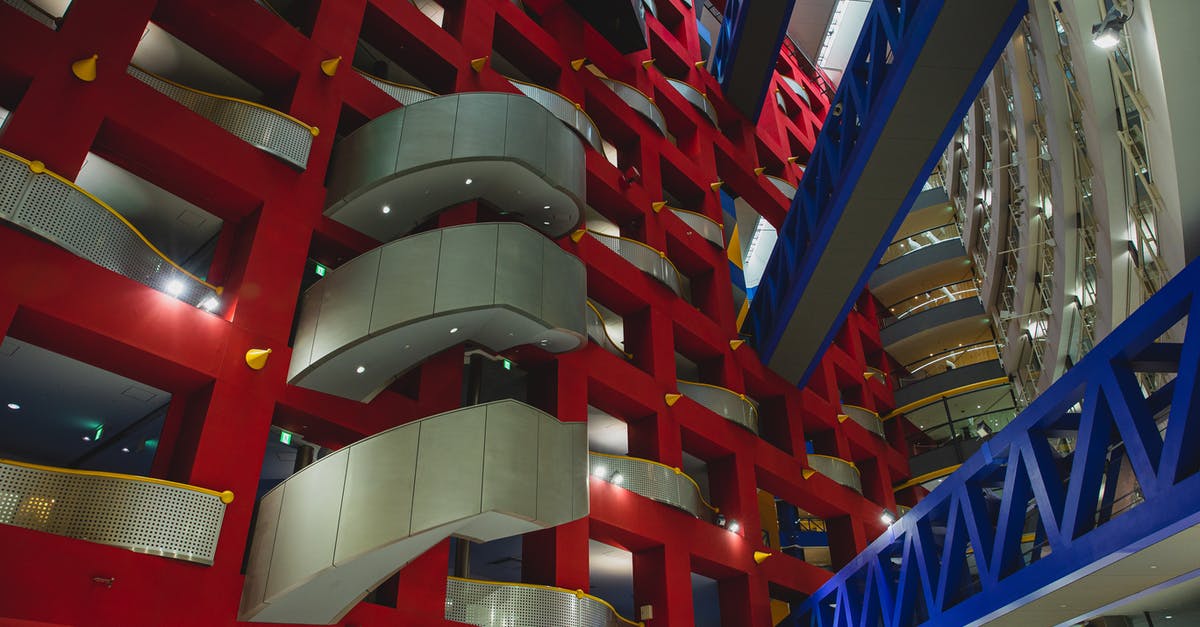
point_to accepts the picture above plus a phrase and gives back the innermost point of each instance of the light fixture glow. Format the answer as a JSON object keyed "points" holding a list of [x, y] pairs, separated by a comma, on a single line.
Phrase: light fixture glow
{"points": [[618, 478], [285, 437], [546, 207], [87, 438], [1106, 39], [210, 304], [887, 517], [175, 288], [734, 526], [600, 471], [468, 181], [454, 330], [1106, 34], [386, 209], [14, 406], [124, 449], [546, 222], [360, 369], [321, 270]]}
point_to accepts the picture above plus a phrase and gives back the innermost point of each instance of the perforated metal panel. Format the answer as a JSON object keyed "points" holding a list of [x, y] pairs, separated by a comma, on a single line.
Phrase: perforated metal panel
{"points": [[34, 12], [564, 110], [144, 517], [644, 258], [653, 481], [837, 469], [638, 102], [704, 227], [403, 95], [783, 186], [696, 97], [868, 419], [597, 331], [262, 128], [66, 216], [727, 403], [490, 604]]}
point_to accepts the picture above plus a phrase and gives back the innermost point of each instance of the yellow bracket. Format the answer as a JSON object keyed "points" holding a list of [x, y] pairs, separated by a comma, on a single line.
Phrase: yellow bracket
{"points": [[760, 557], [578, 235], [647, 64], [256, 358], [807, 472], [716, 186], [736, 344], [85, 69], [759, 171], [477, 64], [329, 67], [843, 417], [672, 399], [700, 63], [578, 64], [658, 206], [867, 375], [793, 159]]}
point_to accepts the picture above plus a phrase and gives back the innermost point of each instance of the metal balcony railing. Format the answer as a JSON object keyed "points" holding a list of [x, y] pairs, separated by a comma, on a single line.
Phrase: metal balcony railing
{"points": [[697, 98], [786, 188], [653, 480], [638, 101], [34, 11], [840, 470], [598, 330], [936, 297], [866, 418], [404, 94], [570, 112], [49, 205], [271, 131], [704, 226], [730, 405], [489, 603], [917, 241], [142, 514], [949, 359], [643, 256]]}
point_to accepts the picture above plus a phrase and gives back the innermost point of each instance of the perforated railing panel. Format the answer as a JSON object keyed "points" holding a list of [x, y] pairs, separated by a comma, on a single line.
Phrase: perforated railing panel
{"points": [[704, 227], [404, 95], [726, 403], [564, 110], [638, 102], [839, 470], [262, 128], [493, 604], [645, 259], [652, 481], [144, 517], [71, 219]]}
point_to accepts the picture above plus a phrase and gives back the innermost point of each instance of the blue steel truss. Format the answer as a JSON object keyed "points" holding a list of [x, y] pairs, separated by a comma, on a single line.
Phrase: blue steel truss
{"points": [[883, 59], [1049, 499]]}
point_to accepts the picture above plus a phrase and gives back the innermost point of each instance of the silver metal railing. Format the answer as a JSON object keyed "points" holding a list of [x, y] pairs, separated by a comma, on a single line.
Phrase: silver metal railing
{"points": [[728, 404], [696, 97], [783, 186], [638, 101], [49, 205], [404, 94], [597, 330], [645, 258], [654, 481], [141, 514], [264, 128], [838, 469], [868, 419], [494, 603], [564, 109], [705, 226], [35, 12], [918, 241]]}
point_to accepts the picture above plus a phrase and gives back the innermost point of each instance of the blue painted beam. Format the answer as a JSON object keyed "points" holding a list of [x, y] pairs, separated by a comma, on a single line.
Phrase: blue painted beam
{"points": [[748, 45], [916, 69]]}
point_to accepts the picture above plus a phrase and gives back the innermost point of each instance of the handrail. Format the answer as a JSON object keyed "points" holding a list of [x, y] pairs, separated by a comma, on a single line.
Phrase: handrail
{"points": [[940, 357], [898, 248], [674, 469], [372, 77], [603, 325], [708, 228], [312, 129], [578, 106], [705, 105], [576, 593], [37, 167], [928, 304], [753, 404], [225, 496], [929, 476], [748, 421], [600, 237], [839, 459], [970, 387], [861, 408], [659, 121]]}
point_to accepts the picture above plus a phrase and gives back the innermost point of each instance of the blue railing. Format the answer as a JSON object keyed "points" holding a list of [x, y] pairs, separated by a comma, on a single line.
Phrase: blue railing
{"points": [[1103, 464]]}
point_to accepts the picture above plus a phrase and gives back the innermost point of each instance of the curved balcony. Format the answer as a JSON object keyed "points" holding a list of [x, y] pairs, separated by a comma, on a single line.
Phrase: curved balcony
{"points": [[655, 481], [334, 530], [734, 407], [141, 514], [697, 98], [260, 126], [838, 469], [357, 333], [52, 207], [405, 166], [703, 225], [563, 108], [494, 603], [646, 258], [797, 89], [866, 418], [35, 12], [638, 101], [784, 187], [917, 241], [598, 330], [404, 94], [930, 299]]}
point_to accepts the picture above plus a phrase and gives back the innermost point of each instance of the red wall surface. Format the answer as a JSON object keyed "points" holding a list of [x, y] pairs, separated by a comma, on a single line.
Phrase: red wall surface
{"points": [[221, 411]]}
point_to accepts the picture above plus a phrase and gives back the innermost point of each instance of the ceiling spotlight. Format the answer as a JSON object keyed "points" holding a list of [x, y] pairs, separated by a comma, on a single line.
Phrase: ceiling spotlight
{"points": [[454, 330], [887, 517], [600, 471], [546, 222], [360, 369], [1106, 34], [617, 478], [734, 526], [546, 207], [386, 209], [175, 288], [87, 438], [210, 304], [468, 181], [14, 406], [124, 449]]}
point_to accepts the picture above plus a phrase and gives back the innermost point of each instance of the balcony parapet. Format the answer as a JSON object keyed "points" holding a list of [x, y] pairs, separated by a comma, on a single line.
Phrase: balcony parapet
{"points": [[487, 603], [653, 480], [334, 530], [35, 12], [568, 111], [736, 408], [404, 94], [598, 330], [271, 131], [405, 166], [142, 514], [703, 225], [866, 418], [840, 470], [638, 101], [57, 209], [784, 187], [356, 333], [697, 98], [643, 256]]}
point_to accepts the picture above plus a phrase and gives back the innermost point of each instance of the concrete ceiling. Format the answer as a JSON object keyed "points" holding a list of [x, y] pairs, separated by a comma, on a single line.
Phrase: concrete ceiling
{"points": [[808, 23]]}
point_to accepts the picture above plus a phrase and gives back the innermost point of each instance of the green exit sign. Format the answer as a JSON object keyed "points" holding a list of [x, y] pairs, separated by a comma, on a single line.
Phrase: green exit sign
{"points": [[285, 437]]}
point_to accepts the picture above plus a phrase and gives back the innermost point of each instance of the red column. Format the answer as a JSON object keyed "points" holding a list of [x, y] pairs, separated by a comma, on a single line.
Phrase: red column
{"points": [[662, 580]]}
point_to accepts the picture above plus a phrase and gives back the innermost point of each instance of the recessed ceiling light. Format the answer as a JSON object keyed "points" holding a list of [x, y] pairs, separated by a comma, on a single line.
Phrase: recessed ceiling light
{"points": [[87, 438], [546, 222], [360, 369], [546, 207], [124, 449], [14, 406], [468, 181], [386, 209], [454, 330]]}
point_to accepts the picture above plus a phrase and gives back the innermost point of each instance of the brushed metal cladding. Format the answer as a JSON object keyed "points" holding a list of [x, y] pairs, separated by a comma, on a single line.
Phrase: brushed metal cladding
{"points": [[500, 285], [440, 152], [330, 533]]}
